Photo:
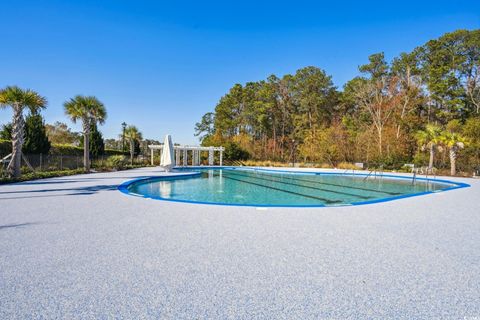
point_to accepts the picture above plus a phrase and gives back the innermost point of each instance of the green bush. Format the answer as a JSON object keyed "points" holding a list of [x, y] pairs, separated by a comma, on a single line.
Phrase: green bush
{"points": [[234, 152], [421, 159], [116, 162]]}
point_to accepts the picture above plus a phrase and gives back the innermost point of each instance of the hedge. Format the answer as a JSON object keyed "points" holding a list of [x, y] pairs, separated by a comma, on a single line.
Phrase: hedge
{"points": [[58, 149], [68, 150]]}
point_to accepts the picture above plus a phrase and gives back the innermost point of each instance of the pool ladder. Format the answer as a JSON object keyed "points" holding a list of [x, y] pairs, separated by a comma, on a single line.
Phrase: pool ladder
{"points": [[377, 172], [423, 170]]}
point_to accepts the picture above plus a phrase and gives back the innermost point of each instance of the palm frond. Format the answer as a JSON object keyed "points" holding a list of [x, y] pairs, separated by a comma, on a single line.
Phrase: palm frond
{"points": [[18, 97], [132, 132], [86, 108]]}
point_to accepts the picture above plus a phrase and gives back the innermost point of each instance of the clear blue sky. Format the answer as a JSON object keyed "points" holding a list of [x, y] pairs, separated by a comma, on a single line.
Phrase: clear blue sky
{"points": [[162, 64]]}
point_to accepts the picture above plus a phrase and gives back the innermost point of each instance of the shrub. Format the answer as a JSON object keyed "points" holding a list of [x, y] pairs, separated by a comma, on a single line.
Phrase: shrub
{"points": [[116, 162], [347, 165], [234, 152]]}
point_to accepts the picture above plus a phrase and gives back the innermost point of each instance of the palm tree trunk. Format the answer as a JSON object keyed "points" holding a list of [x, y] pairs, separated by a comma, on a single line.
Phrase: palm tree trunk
{"points": [[132, 150], [432, 154], [453, 161], [14, 167], [86, 145]]}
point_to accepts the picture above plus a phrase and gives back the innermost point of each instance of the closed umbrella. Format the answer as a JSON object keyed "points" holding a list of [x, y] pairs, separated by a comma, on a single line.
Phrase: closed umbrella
{"points": [[167, 161]]}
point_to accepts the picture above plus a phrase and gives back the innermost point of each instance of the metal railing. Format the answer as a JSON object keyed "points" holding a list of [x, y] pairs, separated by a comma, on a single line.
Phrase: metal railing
{"points": [[427, 171], [349, 170], [375, 173]]}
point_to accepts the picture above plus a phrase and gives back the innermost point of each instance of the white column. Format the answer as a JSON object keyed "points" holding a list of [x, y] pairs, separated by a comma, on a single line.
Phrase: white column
{"points": [[151, 156], [221, 157], [210, 156], [177, 157], [185, 155]]}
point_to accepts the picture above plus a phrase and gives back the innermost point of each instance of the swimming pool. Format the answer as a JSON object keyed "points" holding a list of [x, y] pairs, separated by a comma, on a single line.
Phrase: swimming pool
{"points": [[263, 187]]}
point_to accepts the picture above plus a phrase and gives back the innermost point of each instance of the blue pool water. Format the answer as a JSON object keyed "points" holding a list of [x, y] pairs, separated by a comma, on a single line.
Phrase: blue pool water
{"points": [[257, 187]]}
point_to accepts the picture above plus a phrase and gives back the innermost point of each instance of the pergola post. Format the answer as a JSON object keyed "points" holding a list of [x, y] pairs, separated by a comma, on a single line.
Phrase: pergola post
{"points": [[151, 156], [185, 157], [221, 157], [210, 156], [177, 156]]}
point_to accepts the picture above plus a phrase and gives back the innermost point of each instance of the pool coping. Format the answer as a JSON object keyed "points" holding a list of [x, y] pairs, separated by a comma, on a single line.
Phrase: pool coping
{"points": [[193, 174]]}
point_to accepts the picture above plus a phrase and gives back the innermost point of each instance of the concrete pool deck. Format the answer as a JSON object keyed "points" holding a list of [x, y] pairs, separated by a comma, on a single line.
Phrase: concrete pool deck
{"points": [[76, 248]]}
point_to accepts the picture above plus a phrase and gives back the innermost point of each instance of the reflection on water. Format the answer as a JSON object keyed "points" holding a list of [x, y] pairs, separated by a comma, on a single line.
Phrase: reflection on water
{"points": [[165, 189]]}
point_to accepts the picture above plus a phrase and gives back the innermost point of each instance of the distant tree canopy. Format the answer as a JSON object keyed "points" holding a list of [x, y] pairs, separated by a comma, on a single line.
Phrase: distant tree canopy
{"points": [[374, 119], [60, 133]]}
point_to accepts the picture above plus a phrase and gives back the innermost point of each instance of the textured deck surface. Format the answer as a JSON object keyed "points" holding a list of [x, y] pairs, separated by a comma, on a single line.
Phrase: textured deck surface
{"points": [[77, 248]]}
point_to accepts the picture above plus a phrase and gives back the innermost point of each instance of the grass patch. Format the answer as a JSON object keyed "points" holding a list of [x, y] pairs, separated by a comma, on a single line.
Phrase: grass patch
{"points": [[41, 175]]}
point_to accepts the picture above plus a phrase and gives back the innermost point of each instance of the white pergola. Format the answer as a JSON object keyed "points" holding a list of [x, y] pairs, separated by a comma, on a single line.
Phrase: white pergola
{"points": [[182, 154]]}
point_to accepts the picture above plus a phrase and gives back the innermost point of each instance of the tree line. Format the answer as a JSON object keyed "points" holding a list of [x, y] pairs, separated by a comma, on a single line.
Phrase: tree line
{"points": [[422, 106]]}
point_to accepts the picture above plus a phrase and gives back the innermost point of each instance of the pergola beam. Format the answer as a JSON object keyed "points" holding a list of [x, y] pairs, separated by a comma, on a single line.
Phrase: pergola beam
{"points": [[196, 154]]}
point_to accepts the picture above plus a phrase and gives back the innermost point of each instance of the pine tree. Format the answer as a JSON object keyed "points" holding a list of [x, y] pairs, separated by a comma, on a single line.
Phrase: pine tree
{"points": [[97, 146], [36, 139], [136, 148]]}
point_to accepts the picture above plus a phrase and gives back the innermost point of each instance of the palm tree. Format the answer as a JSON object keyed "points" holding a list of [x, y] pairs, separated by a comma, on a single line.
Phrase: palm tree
{"points": [[87, 109], [429, 139], [454, 142], [132, 134], [19, 99]]}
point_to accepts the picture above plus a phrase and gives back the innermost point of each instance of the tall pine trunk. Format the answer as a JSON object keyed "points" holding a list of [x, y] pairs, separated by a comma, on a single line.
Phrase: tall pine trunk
{"points": [[14, 167]]}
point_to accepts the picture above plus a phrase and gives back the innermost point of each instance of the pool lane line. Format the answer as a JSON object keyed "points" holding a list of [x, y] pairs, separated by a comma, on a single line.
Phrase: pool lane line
{"points": [[285, 174], [303, 186], [283, 190]]}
